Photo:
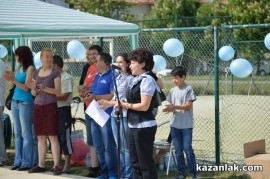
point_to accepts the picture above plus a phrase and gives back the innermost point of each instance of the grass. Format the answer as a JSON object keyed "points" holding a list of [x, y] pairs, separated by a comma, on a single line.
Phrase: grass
{"points": [[83, 171]]}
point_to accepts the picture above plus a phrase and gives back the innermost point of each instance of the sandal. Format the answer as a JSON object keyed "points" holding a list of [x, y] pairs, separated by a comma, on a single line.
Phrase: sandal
{"points": [[56, 171]]}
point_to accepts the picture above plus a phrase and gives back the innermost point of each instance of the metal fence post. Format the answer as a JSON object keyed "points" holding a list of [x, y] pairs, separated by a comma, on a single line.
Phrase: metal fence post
{"points": [[216, 72]]}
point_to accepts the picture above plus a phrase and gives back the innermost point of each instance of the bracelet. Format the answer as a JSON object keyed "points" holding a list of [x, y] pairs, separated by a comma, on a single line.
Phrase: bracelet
{"points": [[127, 105]]}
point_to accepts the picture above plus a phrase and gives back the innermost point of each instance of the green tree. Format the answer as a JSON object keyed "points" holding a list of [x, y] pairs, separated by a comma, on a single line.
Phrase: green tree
{"points": [[172, 12], [212, 13], [248, 41], [241, 11], [248, 11], [107, 8]]}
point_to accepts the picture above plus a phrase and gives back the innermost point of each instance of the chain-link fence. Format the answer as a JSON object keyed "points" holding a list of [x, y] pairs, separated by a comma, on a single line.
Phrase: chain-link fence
{"points": [[243, 110], [244, 103]]}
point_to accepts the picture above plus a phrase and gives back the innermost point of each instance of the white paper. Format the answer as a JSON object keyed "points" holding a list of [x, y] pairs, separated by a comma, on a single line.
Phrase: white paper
{"points": [[98, 114]]}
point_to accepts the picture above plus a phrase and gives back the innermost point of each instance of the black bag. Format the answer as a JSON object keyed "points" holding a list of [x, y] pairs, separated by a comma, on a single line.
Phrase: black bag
{"points": [[158, 98], [162, 96], [9, 98], [7, 130]]}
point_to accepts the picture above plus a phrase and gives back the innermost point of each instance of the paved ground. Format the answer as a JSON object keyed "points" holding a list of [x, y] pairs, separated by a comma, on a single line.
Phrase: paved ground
{"points": [[6, 173]]}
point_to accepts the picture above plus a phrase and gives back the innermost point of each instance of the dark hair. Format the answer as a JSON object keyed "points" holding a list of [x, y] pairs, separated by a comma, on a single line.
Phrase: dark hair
{"points": [[125, 57], [142, 55], [25, 56], [179, 71], [58, 61], [107, 58], [96, 47]]}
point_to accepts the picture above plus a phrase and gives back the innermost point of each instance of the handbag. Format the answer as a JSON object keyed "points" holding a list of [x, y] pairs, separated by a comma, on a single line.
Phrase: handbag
{"points": [[162, 96], [9, 98], [159, 98]]}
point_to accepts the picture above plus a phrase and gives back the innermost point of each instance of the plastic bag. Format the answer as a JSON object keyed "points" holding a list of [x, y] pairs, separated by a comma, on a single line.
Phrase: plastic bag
{"points": [[80, 151]]}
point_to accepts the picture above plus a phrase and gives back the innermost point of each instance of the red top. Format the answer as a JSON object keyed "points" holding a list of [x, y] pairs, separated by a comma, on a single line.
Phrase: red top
{"points": [[90, 76]]}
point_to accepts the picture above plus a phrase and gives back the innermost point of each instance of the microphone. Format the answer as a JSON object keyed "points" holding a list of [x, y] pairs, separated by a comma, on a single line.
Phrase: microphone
{"points": [[114, 67]]}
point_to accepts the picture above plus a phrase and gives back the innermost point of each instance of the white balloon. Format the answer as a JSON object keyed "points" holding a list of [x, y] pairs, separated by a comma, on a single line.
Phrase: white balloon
{"points": [[160, 63], [226, 53], [267, 41], [76, 49], [173, 47], [241, 68], [37, 60], [3, 51]]}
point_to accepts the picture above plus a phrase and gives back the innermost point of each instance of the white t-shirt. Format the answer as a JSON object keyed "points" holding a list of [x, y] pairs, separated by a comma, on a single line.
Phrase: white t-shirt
{"points": [[182, 119], [67, 84], [2, 83]]}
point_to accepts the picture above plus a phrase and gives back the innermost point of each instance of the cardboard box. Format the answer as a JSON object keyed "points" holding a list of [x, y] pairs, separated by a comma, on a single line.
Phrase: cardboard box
{"points": [[255, 154]]}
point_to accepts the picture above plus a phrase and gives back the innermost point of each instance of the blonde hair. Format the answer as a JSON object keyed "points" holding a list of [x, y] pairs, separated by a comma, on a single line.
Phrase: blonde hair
{"points": [[45, 50]]}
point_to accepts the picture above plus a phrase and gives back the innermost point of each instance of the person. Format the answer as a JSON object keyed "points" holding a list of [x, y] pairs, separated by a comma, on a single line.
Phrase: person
{"points": [[88, 75], [46, 85], [105, 146], [181, 98], [141, 120], [64, 100], [121, 81], [2, 105], [22, 111]]}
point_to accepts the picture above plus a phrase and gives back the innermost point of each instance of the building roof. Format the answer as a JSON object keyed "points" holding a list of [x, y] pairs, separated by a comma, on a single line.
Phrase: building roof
{"points": [[32, 18]]}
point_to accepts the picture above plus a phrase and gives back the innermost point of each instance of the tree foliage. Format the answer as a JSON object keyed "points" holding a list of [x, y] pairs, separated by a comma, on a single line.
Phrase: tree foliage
{"points": [[107, 8], [170, 8], [241, 11], [172, 11]]}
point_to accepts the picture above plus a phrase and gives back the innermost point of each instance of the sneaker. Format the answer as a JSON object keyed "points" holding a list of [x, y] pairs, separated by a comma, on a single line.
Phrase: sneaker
{"points": [[14, 168], [56, 171], [37, 169], [21, 168], [93, 173]]}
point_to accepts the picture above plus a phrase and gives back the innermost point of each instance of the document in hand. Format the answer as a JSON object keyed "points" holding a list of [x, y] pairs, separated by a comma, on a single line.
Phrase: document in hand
{"points": [[98, 114]]}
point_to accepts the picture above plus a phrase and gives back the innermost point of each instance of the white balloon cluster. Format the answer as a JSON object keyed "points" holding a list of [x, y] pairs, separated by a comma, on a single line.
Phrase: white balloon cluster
{"points": [[173, 48], [239, 67]]}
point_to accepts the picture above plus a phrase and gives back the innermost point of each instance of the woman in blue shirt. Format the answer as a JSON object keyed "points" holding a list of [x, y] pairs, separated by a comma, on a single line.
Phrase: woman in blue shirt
{"points": [[22, 112]]}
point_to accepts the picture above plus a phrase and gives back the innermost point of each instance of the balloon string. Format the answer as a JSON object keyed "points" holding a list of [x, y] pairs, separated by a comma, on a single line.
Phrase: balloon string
{"points": [[227, 70], [181, 60], [199, 60], [251, 78]]}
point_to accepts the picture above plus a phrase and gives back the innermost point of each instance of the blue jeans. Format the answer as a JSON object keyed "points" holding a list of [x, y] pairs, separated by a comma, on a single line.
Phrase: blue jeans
{"points": [[88, 130], [125, 164], [182, 141], [105, 147], [26, 154]]}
